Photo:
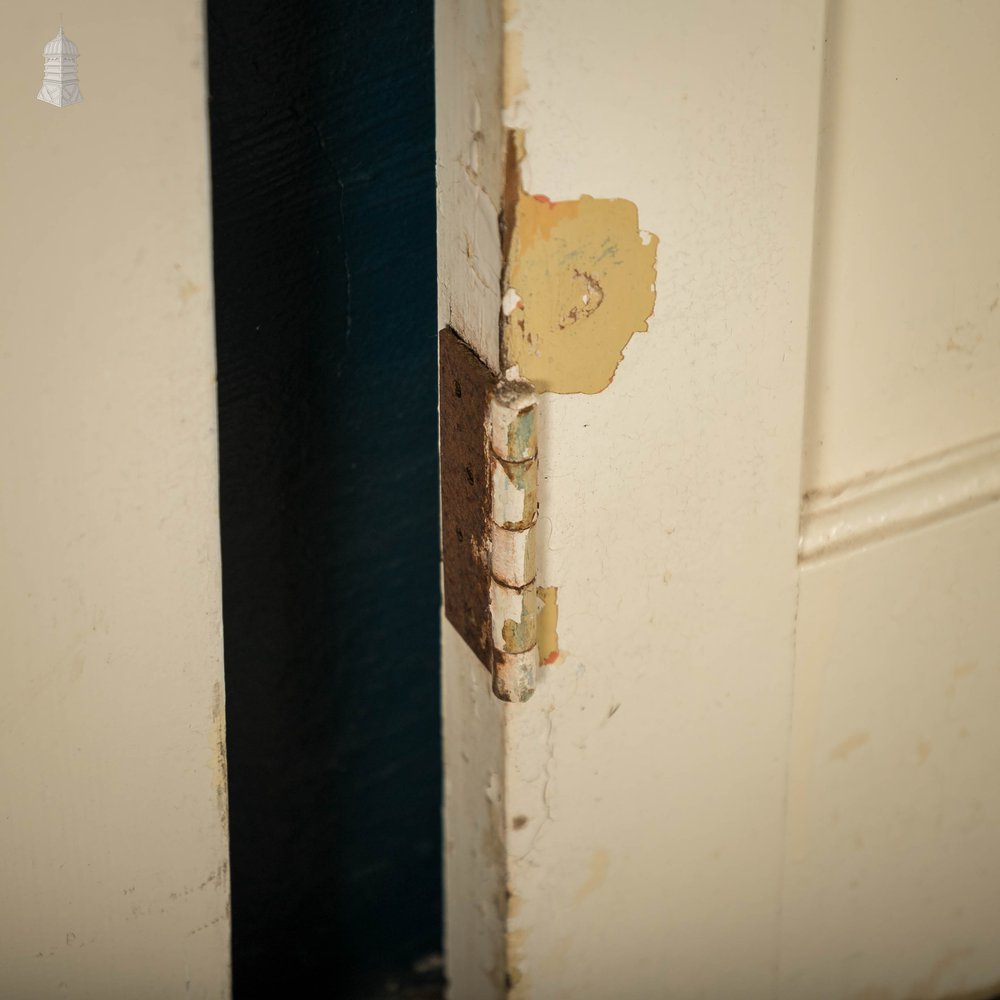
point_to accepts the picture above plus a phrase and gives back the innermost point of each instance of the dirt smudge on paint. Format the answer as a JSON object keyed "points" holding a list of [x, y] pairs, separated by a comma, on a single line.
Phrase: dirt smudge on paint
{"points": [[220, 766], [599, 864], [517, 985], [581, 276], [188, 290], [843, 750], [548, 623]]}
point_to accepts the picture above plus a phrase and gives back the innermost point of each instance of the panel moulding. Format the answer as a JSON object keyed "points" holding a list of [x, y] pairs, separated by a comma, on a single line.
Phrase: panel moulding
{"points": [[886, 504]]}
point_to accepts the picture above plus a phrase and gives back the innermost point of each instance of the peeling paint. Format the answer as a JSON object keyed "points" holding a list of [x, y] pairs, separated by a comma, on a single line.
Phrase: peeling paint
{"points": [[515, 492], [515, 618], [547, 625], [512, 420], [511, 301], [514, 504], [580, 280], [513, 556], [517, 634]]}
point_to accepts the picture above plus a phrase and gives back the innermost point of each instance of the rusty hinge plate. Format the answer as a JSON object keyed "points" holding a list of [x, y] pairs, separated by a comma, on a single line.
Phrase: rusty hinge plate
{"points": [[465, 385]]}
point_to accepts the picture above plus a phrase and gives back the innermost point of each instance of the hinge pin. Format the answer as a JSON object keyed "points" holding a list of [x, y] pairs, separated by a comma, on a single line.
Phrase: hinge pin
{"points": [[513, 601]]}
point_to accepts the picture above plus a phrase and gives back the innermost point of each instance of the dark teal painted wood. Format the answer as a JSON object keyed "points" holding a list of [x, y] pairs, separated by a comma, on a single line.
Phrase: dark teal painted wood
{"points": [[322, 123]]}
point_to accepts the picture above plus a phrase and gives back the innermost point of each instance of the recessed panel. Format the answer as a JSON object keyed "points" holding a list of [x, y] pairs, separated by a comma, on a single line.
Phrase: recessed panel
{"points": [[892, 849], [905, 336]]}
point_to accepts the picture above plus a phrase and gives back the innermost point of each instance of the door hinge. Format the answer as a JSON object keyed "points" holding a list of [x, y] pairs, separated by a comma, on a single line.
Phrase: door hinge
{"points": [[489, 510]]}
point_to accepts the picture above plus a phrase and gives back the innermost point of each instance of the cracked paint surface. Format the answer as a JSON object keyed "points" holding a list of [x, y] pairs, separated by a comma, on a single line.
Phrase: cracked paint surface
{"points": [[580, 282]]}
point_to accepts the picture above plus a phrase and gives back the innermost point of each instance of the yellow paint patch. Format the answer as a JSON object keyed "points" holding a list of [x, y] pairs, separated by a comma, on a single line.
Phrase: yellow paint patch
{"points": [[599, 864], [584, 276], [548, 622]]}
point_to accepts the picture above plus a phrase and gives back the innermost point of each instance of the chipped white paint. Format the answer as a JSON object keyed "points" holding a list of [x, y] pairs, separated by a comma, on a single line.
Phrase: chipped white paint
{"points": [[669, 795], [467, 50], [513, 556], [515, 492], [643, 784], [114, 880], [511, 300], [513, 436], [514, 674], [517, 606], [469, 170], [513, 430], [650, 764]]}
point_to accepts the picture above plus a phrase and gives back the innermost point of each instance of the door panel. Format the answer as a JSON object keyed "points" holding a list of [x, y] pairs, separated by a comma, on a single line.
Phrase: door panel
{"points": [[640, 793], [892, 862], [893, 819], [905, 336], [748, 771]]}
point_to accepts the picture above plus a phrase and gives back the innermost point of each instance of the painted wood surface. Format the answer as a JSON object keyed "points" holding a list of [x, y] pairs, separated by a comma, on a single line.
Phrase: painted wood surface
{"points": [[893, 851], [758, 762], [322, 118], [470, 156], [659, 731], [646, 780], [905, 338], [470, 142], [114, 881], [893, 837]]}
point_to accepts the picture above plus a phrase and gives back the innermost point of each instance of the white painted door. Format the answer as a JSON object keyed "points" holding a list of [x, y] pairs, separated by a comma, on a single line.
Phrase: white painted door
{"points": [[760, 759]]}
